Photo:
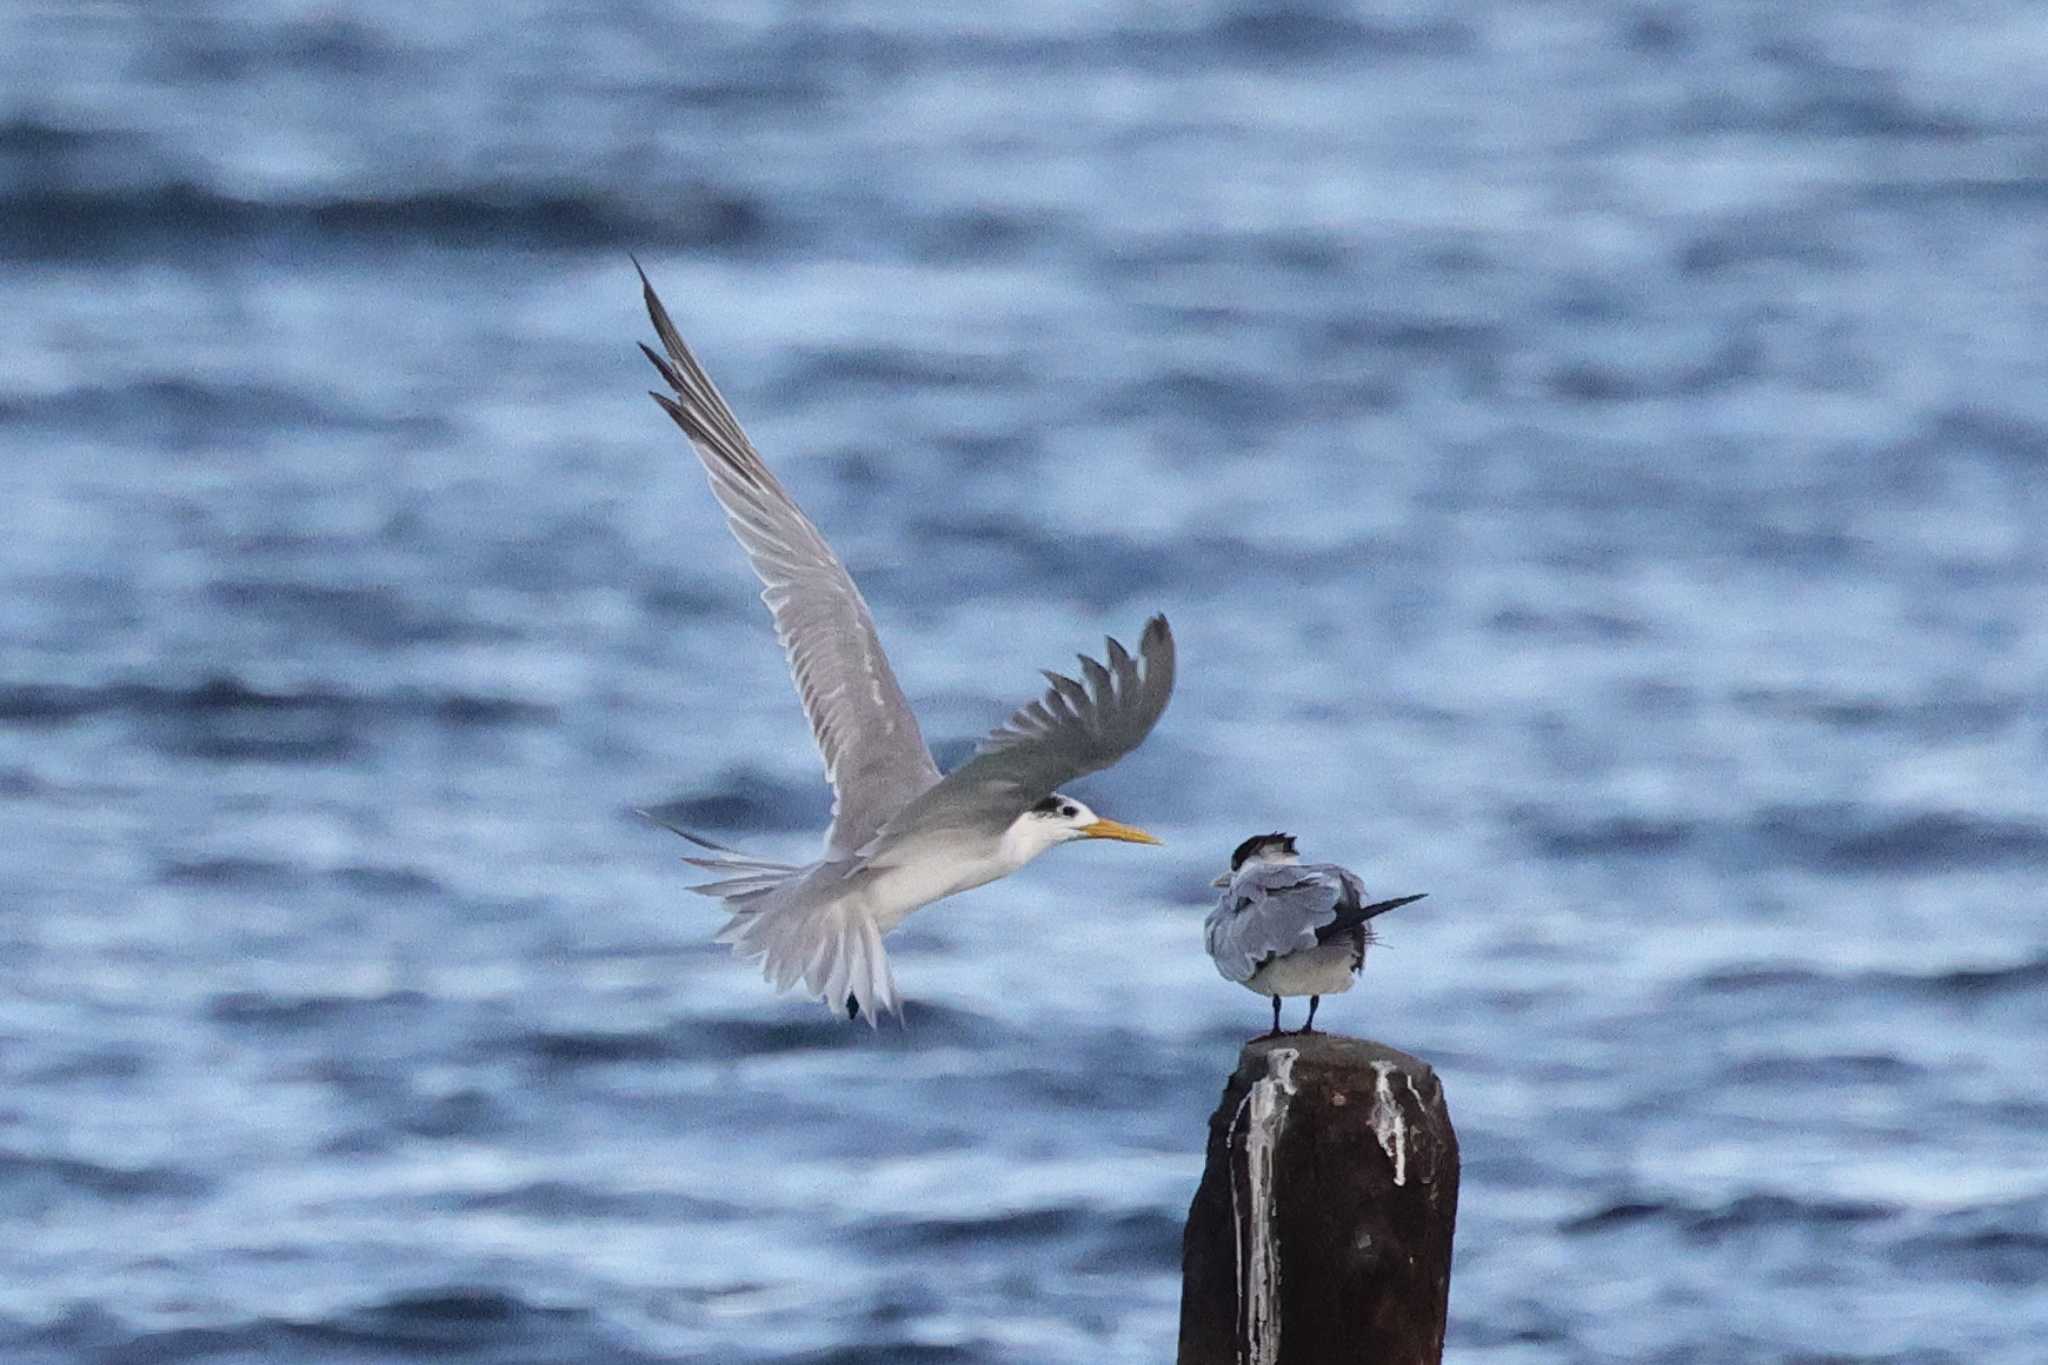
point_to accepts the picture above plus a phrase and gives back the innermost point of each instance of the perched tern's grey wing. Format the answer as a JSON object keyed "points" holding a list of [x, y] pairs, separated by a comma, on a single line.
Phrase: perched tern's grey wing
{"points": [[1270, 909], [1074, 729], [875, 755]]}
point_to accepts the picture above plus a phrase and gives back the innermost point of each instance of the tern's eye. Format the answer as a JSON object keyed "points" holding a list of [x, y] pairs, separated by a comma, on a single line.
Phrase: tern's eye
{"points": [[1070, 811]]}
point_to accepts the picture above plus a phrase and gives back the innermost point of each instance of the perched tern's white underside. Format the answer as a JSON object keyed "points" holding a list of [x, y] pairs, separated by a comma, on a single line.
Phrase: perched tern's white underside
{"points": [[902, 836]]}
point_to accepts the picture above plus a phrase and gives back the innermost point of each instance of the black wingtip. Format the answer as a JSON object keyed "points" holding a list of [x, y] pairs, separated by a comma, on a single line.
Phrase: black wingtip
{"points": [[656, 312], [648, 298], [661, 366], [1381, 907], [1157, 644]]}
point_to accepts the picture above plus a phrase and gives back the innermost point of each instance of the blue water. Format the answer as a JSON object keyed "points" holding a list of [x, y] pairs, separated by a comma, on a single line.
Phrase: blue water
{"points": [[1595, 457]]}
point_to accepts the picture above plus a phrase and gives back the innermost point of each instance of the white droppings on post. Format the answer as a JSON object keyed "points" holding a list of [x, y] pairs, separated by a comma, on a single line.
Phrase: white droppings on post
{"points": [[1389, 1123], [1262, 1113]]}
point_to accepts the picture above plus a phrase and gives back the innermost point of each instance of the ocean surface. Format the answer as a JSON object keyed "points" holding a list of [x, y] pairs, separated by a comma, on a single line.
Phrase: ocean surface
{"points": [[1594, 457]]}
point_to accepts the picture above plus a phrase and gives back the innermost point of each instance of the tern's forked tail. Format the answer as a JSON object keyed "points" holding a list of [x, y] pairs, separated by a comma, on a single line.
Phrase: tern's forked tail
{"points": [[832, 948], [786, 918], [826, 944], [830, 945]]}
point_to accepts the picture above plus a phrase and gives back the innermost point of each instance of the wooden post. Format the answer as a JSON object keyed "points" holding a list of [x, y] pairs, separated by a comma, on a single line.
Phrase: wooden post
{"points": [[1321, 1231]]}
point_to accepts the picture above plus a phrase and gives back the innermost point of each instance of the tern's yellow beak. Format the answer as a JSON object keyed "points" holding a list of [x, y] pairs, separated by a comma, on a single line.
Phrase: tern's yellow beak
{"points": [[1110, 829]]}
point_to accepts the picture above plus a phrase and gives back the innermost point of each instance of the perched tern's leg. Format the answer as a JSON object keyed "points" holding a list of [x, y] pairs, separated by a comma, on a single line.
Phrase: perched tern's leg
{"points": [[1276, 1018], [1310, 1026]]}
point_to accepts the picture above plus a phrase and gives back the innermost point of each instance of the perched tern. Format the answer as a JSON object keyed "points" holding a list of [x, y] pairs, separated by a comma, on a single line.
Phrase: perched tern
{"points": [[1287, 928], [902, 836]]}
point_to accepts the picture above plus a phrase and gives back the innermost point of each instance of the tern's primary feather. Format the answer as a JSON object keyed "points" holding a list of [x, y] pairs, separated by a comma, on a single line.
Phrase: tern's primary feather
{"points": [[901, 837], [875, 755]]}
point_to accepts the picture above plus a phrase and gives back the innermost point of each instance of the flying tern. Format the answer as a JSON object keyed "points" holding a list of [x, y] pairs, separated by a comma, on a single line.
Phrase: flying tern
{"points": [[1283, 927], [902, 835]]}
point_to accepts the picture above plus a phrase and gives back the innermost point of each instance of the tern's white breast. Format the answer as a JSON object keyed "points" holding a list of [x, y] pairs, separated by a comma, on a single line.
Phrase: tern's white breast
{"points": [[1322, 970], [891, 893]]}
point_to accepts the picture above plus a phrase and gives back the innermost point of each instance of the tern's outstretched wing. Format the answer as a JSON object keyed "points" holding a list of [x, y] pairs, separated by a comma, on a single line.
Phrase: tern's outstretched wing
{"points": [[875, 756], [1074, 729]]}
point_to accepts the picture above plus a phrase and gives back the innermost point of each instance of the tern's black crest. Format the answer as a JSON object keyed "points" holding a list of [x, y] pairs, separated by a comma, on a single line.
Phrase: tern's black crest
{"points": [[1259, 843]]}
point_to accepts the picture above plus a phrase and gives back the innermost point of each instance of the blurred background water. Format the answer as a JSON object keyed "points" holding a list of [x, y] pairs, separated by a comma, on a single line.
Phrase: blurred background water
{"points": [[1595, 457]]}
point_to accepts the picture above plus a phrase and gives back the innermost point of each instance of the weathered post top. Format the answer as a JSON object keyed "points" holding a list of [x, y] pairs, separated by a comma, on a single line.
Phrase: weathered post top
{"points": [[1322, 1228]]}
